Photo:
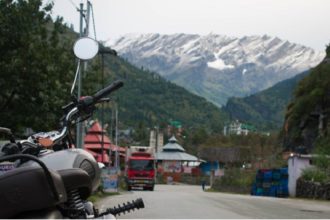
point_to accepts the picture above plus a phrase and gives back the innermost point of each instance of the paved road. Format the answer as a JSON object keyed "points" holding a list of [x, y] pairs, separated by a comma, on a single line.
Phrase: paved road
{"points": [[190, 202]]}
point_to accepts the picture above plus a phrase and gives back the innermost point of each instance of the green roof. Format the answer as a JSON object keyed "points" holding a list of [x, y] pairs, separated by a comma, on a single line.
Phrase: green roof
{"points": [[176, 124], [248, 127]]}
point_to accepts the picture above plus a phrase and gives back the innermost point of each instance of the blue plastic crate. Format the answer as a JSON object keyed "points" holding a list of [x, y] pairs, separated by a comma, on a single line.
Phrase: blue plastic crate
{"points": [[282, 191], [284, 170], [273, 191], [266, 191], [266, 184], [260, 192], [254, 189], [276, 183], [284, 182], [268, 175], [276, 175]]}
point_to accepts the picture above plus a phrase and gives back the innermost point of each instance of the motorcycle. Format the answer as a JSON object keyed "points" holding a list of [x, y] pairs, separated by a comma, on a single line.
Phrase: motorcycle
{"points": [[44, 176]]}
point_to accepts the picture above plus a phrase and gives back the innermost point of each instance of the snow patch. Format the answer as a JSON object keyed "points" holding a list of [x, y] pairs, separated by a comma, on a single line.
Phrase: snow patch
{"points": [[244, 71], [220, 65]]}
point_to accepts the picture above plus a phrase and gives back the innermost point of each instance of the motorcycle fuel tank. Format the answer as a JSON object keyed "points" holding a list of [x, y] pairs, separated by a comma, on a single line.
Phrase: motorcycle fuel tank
{"points": [[72, 158]]}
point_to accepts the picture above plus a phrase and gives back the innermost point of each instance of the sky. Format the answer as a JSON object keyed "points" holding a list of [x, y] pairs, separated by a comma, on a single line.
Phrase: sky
{"points": [[305, 22]]}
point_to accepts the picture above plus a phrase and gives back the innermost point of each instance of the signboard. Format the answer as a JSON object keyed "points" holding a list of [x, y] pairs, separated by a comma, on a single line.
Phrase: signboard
{"points": [[187, 169], [172, 166], [109, 178], [219, 172]]}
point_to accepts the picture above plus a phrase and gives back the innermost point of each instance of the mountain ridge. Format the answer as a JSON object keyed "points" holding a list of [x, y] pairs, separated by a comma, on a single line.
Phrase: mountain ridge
{"points": [[216, 66]]}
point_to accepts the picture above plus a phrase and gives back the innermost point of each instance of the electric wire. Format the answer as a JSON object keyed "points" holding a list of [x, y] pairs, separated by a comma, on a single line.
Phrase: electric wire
{"points": [[76, 76], [93, 22], [73, 4]]}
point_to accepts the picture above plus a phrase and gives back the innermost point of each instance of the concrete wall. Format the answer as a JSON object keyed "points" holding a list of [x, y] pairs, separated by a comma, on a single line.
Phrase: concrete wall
{"points": [[296, 165]]}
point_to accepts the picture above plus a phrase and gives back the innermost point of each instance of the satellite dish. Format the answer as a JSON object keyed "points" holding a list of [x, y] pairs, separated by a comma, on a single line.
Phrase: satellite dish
{"points": [[85, 48]]}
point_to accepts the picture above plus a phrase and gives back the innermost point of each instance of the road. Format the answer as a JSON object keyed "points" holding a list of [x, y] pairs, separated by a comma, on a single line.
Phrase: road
{"points": [[190, 202]]}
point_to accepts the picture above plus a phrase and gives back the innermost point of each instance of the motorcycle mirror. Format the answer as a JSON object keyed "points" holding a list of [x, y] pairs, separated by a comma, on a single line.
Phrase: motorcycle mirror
{"points": [[45, 142], [5, 130], [85, 48], [8, 132]]}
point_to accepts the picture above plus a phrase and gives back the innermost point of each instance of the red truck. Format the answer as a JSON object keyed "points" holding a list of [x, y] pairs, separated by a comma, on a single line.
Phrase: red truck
{"points": [[140, 167]]}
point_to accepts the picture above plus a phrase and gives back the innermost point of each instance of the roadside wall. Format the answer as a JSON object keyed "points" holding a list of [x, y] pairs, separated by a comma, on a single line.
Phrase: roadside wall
{"points": [[313, 190]]}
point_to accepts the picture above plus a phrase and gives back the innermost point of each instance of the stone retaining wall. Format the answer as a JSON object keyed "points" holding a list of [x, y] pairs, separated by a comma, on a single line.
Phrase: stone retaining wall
{"points": [[314, 190]]}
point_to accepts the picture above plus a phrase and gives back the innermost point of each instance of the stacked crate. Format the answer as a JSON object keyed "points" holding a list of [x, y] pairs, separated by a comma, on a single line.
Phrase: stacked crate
{"points": [[271, 182]]}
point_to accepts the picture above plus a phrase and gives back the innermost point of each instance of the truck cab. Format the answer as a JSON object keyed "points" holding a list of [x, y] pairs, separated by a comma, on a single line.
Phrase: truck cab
{"points": [[140, 167]]}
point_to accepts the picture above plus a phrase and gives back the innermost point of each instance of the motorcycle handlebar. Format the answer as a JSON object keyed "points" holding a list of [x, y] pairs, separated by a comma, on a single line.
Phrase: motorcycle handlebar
{"points": [[87, 103], [107, 90]]}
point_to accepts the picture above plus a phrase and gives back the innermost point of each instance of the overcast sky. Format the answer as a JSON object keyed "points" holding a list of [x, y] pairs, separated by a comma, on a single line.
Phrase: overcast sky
{"points": [[305, 22]]}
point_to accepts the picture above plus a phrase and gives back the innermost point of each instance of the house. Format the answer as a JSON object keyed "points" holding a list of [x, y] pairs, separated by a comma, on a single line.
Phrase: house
{"points": [[227, 156], [238, 128], [97, 143]]}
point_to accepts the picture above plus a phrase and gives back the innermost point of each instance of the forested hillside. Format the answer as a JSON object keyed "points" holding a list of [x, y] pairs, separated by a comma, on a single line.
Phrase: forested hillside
{"points": [[148, 98], [265, 109], [306, 125]]}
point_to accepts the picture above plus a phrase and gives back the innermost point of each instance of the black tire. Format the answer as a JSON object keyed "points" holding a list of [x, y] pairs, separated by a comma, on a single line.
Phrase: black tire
{"points": [[129, 188]]}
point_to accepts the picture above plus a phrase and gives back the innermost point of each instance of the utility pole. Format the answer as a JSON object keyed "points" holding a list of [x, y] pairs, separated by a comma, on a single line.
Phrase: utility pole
{"points": [[102, 112], [117, 153], [111, 133], [104, 51], [82, 33], [79, 125]]}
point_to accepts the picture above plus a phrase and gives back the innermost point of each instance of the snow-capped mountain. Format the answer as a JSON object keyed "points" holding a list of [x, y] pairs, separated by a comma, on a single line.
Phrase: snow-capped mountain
{"points": [[217, 67]]}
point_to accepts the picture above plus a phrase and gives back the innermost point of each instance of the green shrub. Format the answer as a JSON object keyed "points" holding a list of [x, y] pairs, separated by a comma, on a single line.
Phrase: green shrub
{"points": [[235, 180], [315, 175], [322, 149]]}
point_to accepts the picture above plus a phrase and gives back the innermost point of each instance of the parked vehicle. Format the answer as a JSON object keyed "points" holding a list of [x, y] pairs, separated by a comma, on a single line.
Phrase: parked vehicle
{"points": [[140, 167], [45, 177]]}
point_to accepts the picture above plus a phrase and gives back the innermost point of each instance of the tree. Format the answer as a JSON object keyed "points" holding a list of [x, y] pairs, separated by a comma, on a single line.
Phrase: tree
{"points": [[36, 65]]}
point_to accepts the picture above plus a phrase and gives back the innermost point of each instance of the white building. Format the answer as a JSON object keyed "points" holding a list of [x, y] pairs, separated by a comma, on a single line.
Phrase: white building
{"points": [[238, 128], [296, 164]]}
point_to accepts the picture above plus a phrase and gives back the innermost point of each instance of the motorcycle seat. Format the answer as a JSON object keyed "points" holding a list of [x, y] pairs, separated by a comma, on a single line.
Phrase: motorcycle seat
{"points": [[76, 178], [27, 189]]}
